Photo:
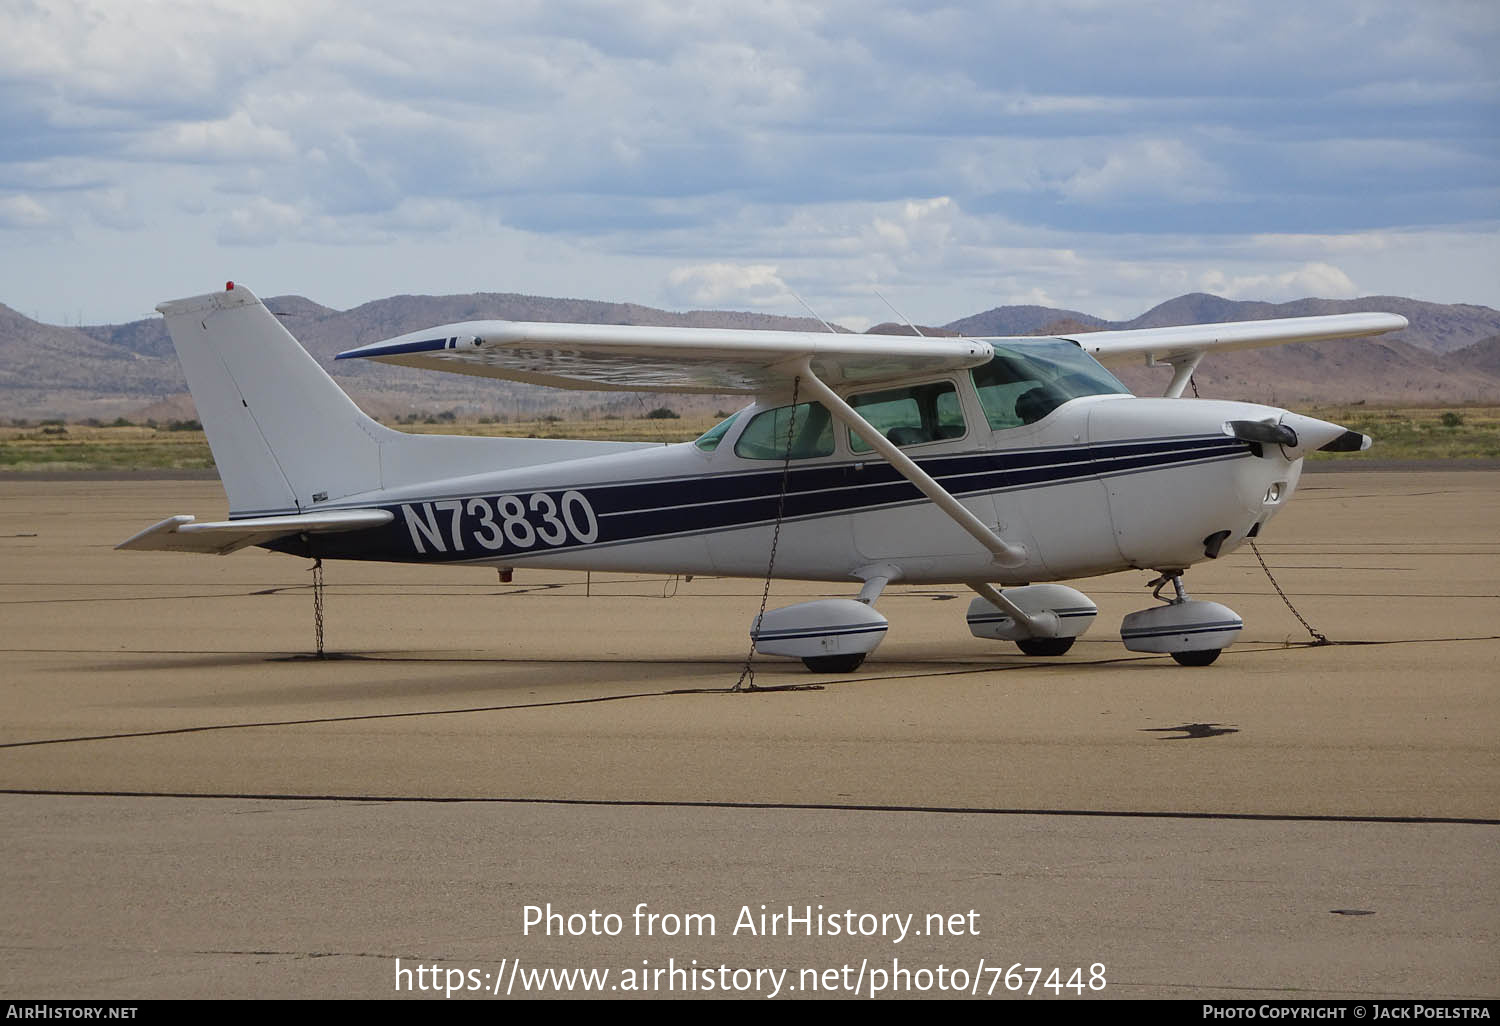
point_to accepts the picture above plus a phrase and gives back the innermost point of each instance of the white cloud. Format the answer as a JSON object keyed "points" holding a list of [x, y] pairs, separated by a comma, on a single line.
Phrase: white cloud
{"points": [[261, 222], [1448, 264], [1029, 297], [167, 52], [23, 211], [1161, 169], [709, 285], [1320, 280], [916, 226], [235, 138]]}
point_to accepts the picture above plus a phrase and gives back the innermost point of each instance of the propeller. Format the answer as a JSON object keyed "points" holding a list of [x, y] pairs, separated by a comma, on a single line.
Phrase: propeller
{"points": [[1262, 432], [1296, 431], [1349, 441]]}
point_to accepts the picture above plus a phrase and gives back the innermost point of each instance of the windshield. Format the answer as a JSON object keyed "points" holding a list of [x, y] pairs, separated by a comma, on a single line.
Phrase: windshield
{"points": [[710, 439], [1028, 380]]}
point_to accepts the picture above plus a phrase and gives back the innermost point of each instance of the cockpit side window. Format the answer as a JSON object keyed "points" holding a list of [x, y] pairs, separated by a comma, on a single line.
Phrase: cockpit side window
{"points": [[1027, 381], [910, 416], [765, 437]]}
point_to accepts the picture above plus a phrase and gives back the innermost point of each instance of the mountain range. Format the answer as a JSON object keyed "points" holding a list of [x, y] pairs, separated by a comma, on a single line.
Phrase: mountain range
{"points": [[1449, 354]]}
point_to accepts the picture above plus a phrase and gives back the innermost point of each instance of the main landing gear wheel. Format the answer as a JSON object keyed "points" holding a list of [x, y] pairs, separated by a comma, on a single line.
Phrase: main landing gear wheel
{"points": [[1202, 657], [1045, 646], [847, 663]]}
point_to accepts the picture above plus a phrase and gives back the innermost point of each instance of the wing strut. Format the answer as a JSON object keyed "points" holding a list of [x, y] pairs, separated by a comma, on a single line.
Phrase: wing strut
{"points": [[1005, 553], [1182, 372]]}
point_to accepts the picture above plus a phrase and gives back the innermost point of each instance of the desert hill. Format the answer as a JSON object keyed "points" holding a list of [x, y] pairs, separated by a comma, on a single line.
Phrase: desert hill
{"points": [[1449, 354]]}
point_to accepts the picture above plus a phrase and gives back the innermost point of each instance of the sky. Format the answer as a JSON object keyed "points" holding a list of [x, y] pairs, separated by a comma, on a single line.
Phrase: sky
{"points": [[954, 157]]}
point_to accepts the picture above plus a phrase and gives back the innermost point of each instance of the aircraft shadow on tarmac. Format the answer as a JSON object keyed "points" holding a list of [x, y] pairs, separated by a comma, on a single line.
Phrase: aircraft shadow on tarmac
{"points": [[1192, 731]]}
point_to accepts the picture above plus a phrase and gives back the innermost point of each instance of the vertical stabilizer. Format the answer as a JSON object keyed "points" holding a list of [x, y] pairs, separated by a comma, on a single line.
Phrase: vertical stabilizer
{"points": [[284, 435]]}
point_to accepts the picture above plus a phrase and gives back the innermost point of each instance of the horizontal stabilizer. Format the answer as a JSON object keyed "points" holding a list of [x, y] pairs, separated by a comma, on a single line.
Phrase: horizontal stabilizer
{"points": [[183, 533]]}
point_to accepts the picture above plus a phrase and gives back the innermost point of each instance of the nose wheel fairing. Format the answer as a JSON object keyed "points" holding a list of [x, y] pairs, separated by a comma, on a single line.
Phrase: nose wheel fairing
{"points": [[1191, 631]]}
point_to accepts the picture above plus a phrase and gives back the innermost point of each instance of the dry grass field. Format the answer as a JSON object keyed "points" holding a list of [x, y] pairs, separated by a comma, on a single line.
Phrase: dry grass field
{"points": [[1400, 433]]}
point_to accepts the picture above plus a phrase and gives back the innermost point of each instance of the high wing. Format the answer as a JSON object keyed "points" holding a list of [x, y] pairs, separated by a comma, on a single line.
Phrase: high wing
{"points": [[1169, 345], [183, 534], [713, 361], [719, 361], [1183, 346]]}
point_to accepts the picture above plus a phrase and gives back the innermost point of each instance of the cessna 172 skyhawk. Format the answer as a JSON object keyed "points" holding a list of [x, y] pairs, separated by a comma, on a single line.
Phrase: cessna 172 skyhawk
{"points": [[1002, 464]]}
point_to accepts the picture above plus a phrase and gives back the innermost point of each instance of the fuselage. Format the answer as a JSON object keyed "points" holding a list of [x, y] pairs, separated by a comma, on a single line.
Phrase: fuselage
{"points": [[1097, 484]]}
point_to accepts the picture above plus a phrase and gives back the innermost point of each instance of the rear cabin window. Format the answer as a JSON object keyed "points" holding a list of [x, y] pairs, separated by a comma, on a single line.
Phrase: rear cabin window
{"points": [[910, 416], [765, 437]]}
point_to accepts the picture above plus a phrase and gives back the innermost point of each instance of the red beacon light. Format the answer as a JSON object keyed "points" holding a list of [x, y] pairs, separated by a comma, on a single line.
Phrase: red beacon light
{"points": [[229, 286]]}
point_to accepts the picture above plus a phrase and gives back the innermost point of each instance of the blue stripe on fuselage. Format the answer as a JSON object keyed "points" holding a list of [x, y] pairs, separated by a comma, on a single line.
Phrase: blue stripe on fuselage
{"points": [[636, 511]]}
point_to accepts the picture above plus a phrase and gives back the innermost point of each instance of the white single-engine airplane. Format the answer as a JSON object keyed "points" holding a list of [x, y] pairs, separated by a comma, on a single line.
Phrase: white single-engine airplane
{"points": [[995, 463]]}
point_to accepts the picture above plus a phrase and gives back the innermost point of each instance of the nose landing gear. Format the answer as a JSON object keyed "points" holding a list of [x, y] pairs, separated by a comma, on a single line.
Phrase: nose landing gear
{"points": [[1192, 632]]}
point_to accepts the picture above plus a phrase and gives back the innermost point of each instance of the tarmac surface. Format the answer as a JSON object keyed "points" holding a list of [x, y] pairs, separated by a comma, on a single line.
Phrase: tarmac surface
{"points": [[190, 806]]}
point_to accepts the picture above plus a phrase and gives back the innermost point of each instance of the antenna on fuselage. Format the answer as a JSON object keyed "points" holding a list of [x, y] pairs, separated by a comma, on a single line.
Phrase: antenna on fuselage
{"points": [[909, 323]]}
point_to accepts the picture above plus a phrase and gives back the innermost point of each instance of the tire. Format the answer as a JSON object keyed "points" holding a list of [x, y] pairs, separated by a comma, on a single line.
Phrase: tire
{"points": [[1045, 646], [1200, 658], [847, 663]]}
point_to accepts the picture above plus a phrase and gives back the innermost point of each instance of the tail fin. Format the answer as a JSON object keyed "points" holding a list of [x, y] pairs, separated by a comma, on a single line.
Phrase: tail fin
{"points": [[283, 434]]}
